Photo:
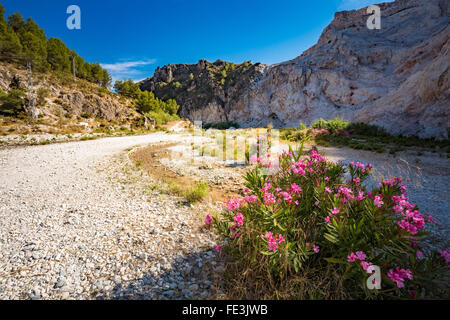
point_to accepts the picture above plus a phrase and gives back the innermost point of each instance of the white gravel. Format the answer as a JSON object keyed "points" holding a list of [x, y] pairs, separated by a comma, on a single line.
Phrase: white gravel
{"points": [[75, 223]]}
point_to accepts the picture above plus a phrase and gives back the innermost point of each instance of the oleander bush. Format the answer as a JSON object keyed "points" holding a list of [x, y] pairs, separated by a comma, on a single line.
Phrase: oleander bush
{"points": [[311, 229]]}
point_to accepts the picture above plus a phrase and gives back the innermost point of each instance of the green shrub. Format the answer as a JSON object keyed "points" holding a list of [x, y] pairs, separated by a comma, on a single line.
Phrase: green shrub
{"points": [[11, 104], [308, 232], [197, 193], [42, 95], [162, 117], [302, 126], [221, 125], [331, 125]]}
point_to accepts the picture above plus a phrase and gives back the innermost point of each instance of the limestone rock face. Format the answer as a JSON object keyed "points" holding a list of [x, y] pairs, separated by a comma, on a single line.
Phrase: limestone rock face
{"points": [[396, 77]]}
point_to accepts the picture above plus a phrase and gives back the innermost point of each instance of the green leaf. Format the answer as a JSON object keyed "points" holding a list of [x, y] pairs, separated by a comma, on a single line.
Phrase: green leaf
{"points": [[334, 260]]}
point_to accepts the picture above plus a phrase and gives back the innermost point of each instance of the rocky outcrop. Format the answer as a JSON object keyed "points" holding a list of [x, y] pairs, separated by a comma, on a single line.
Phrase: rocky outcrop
{"points": [[205, 91], [59, 98], [396, 77]]}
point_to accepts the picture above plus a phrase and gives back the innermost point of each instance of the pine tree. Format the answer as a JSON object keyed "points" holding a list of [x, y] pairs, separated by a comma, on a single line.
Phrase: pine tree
{"points": [[23, 41], [58, 55]]}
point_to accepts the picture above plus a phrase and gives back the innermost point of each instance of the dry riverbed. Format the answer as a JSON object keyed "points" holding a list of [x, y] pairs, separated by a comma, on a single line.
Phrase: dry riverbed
{"points": [[91, 219]]}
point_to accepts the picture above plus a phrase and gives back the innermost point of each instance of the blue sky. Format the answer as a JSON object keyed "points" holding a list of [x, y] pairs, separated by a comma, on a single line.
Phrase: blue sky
{"points": [[131, 38]]}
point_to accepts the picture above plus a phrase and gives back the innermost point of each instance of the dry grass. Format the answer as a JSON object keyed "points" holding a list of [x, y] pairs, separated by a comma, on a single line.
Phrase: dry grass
{"points": [[244, 282]]}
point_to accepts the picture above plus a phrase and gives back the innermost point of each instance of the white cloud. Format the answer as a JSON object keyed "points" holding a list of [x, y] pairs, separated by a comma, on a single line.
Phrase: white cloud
{"points": [[358, 4], [128, 69]]}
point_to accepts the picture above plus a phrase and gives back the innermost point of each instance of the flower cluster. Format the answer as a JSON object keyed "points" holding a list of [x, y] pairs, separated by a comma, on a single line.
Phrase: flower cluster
{"points": [[273, 242], [347, 194], [238, 221], [234, 204], [333, 213], [378, 201], [412, 220], [361, 256], [399, 276], [360, 166], [295, 201]]}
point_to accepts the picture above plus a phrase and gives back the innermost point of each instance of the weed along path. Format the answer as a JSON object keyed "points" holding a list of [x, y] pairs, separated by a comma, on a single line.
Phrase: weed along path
{"points": [[117, 218], [78, 221]]}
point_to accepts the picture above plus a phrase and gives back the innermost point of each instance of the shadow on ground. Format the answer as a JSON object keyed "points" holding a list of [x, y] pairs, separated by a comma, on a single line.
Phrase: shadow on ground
{"points": [[195, 277]]}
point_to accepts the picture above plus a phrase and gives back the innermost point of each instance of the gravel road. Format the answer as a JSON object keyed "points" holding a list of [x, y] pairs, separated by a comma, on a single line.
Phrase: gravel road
{"points": [[74, 224]]}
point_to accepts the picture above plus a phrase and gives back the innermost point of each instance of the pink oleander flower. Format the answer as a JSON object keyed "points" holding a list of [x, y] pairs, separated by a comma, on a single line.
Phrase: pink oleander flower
{"points": [[208, 220], [246, 190], [399, 276], [286, 196], [445, 254], [360, 196], [316, 248], [430, 218], [419, 254], [356, 180], [280, 238], [327, 219], [269, 199], [351, 257], [267, 235], [348, 194], [398, 209], [234, 204], [334, 211], [273, 242], [295, 188], [253, 158], [327, 179], [378, 202], [328, 190], [238, 219], [219, 247], [251, 199], [316, 203], [365, 264], [361, 255]]}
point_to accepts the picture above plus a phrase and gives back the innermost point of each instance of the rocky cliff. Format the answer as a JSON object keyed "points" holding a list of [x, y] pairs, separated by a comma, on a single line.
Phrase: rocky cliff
{"points": [[205, 91], [396, 77]]}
